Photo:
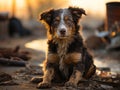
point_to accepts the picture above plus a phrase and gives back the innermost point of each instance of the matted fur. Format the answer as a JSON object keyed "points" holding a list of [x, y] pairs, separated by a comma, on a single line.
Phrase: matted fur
{"points": [[67, 58]]}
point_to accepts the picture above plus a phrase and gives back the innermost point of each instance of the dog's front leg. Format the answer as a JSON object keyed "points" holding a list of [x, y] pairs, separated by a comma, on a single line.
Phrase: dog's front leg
{"points": [[48, 76], [74, 79], [76, 76], [48, 71]]}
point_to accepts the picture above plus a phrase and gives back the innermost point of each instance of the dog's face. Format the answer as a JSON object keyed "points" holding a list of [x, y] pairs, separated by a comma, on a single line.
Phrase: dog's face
{"points": [[62, 22], [62, 25]]}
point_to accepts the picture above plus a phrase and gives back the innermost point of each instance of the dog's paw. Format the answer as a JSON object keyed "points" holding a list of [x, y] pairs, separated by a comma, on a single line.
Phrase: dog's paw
{"points": [[44, 85], [70, 84]]}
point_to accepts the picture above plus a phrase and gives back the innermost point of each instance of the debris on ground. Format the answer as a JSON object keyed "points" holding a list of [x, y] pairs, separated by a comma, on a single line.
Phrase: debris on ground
{"points": [[30, 70], [6, 79], [12, 62], [11, 82], [103, 80], [14, 57], [107, 78]]}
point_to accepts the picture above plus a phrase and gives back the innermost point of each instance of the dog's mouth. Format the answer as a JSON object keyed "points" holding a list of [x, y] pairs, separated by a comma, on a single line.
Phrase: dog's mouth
{"points": [[62, 36]]}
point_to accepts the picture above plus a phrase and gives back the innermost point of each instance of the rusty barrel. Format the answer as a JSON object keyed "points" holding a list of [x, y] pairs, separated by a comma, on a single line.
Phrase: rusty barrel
{"points": [[113, 14]]}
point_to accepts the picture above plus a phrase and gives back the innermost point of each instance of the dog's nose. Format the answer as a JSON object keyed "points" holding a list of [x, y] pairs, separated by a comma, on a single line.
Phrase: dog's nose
{"points": [[62, 31]]}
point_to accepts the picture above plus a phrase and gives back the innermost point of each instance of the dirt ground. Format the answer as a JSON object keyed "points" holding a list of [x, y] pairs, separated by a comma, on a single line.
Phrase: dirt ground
{"points": [[36, 44]]}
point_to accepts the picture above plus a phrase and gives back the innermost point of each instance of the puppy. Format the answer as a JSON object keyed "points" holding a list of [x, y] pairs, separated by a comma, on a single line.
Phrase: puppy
{"points": [[67, 59]]}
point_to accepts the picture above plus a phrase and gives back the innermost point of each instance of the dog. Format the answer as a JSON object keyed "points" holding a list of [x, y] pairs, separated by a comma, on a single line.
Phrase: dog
{"points": [[67, 58]]}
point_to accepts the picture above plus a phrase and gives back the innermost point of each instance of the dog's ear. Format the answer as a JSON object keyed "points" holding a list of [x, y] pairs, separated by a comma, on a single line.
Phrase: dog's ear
{"points": [[76, 13], [47, 16]]}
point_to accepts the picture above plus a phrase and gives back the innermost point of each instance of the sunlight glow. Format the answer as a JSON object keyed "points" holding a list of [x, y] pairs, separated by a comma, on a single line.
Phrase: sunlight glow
{"points": [[41, 64], [94, 7], [39, 45], [20, 3], [6, 4]]}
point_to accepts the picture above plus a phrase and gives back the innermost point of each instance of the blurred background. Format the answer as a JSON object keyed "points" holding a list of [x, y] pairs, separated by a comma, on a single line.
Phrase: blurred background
{"points": [[31, 8], [20, 28]]}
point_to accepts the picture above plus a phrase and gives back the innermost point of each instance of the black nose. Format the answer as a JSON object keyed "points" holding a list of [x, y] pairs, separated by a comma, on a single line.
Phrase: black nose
{"points": [[62, 31]]}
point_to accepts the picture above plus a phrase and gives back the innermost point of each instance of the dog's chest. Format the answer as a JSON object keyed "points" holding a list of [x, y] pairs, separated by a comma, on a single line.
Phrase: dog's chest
{"points": [[62, 49], [62, 53], [62, 46]]}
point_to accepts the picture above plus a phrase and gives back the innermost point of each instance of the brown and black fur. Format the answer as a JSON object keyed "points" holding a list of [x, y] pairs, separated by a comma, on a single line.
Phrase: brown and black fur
{"points": [[67, 59]]}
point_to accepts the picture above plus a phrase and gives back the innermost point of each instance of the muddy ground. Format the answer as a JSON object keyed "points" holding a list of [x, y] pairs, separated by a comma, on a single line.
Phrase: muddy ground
{"points": [[36, 45]]}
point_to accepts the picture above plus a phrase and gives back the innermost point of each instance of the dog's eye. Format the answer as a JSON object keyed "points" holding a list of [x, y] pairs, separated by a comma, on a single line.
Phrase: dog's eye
{"points": [[68, 21], [67, 18], [56, 22]]}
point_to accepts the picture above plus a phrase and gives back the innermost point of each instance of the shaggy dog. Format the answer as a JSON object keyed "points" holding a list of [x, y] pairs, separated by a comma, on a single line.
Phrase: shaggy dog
{"points": [[67, 59]]}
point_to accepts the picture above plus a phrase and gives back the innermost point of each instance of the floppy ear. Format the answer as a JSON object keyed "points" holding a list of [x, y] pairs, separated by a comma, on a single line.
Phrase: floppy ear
{"points": [[47, 16], [76, 13]]}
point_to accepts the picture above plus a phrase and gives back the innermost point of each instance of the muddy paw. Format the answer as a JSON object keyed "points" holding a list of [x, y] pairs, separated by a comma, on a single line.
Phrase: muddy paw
{"points": [[44, 85], [36, 79], [70, 84]]}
